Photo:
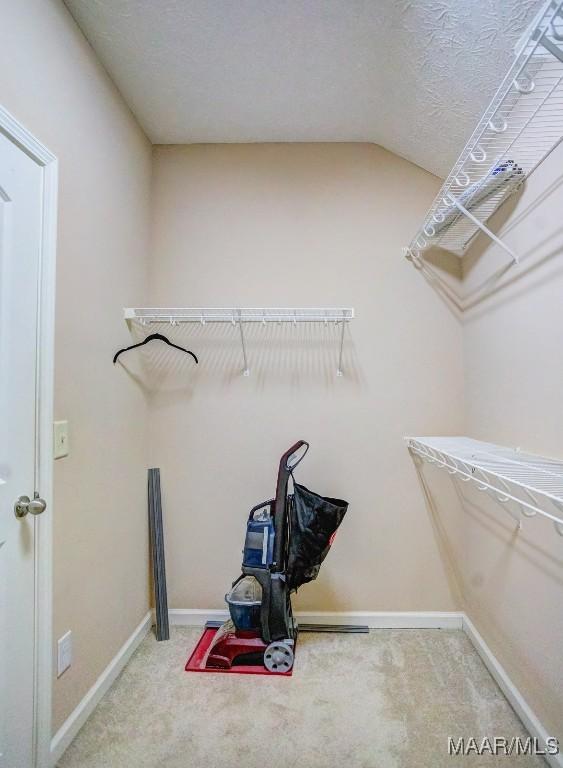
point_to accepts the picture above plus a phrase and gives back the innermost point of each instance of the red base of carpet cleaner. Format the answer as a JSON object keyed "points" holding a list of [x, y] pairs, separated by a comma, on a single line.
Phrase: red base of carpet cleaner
{"points": [[207, 658]]}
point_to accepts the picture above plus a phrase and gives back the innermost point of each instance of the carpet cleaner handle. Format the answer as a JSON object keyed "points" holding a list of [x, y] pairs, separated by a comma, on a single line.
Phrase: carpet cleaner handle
{"points": [[294, 456], [290, 459]]}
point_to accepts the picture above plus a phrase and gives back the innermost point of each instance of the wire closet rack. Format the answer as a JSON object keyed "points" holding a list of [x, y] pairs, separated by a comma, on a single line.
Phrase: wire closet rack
{"points": [[525, 484], [238, 316], [521, 126]]}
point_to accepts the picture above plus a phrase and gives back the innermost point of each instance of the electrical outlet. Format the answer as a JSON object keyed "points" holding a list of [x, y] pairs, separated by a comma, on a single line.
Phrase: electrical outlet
{"points": [[60, 438], [64, 653]]}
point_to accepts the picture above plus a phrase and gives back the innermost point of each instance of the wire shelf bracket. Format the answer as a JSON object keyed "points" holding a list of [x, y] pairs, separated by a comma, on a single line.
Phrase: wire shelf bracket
{"points": [[484, 228], [241, 316], [525, 485], [520, 128]]}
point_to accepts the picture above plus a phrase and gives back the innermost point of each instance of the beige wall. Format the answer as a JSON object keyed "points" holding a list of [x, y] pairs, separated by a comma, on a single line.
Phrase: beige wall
{"points": [[512, 583], [299, 225], [52, 82], [282, 225]]}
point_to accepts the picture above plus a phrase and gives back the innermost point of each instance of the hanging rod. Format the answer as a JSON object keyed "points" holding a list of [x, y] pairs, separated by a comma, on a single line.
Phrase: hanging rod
{"points": [[238, 316], [517, 131], [533, 485]]}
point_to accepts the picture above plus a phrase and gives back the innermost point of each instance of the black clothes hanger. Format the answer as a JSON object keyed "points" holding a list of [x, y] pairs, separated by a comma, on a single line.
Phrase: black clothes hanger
{"points": [[154, 337]]}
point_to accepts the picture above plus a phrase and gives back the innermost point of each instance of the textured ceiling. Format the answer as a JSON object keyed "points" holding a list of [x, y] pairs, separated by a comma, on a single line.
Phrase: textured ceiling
{"points": [[411, 75]]}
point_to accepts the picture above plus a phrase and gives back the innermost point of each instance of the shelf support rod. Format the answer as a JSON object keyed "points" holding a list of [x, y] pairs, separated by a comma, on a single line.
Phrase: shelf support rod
{"points": [[339, 369], [551, 47], [483, 228], [246, 371]]}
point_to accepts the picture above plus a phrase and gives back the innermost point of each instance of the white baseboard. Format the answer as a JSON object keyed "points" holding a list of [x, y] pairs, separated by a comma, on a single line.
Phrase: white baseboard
{"points": [[76, 720], [513, 695], [196, 617]]}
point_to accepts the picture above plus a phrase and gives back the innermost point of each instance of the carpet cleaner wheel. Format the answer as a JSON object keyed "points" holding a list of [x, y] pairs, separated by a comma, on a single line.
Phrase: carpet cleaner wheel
{"points": [[278, 657]]}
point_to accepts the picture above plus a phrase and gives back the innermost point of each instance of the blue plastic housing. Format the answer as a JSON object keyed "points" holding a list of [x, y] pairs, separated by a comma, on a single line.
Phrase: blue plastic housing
{"points": [[259, 543], [245, 616]]}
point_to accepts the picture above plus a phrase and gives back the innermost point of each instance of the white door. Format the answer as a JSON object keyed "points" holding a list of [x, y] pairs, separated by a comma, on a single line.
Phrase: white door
{"points": [[21, 191]]}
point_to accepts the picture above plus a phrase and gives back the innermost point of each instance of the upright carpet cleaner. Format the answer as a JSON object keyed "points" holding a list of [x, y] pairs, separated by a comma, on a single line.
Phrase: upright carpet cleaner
{"points": [[287, 539]]}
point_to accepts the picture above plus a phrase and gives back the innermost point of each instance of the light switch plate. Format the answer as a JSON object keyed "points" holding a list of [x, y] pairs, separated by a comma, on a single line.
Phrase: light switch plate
{"points": [[64, 653], [60, 438]]}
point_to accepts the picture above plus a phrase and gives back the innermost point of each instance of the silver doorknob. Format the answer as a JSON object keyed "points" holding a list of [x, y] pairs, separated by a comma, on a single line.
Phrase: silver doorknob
{"points": [[23, 505]]}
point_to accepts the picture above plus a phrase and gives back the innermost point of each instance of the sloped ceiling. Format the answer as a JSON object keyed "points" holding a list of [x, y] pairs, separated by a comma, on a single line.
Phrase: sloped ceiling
{"points": [[411, 75]]}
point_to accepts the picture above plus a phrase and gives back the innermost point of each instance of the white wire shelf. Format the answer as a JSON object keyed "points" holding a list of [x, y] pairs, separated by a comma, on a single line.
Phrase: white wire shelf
{"points": [[525, 484], [239, 316], [519, 129], [236, 314]]}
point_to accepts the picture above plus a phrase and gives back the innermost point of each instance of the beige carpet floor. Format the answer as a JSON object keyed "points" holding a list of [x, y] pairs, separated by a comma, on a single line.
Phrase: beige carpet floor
{"points": [[389, 699]]}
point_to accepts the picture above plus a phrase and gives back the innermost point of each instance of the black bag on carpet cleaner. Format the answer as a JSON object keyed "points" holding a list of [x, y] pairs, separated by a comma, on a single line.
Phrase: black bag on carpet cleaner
{"points": [[313, 521]]}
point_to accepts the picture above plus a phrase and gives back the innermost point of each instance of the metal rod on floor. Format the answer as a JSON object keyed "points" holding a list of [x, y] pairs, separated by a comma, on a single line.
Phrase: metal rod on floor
{"points": [[347, 629]]}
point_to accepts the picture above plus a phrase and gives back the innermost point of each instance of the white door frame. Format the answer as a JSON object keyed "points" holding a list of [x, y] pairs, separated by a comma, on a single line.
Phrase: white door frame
{"points": [[44, 426]]}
